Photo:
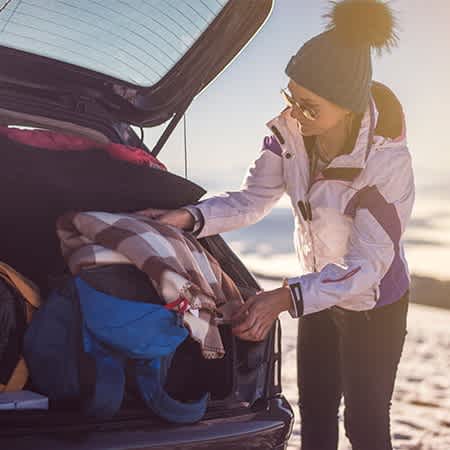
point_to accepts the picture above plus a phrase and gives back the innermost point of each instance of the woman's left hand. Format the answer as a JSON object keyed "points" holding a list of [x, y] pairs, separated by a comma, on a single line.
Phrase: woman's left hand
{"points": [[255, 318]]}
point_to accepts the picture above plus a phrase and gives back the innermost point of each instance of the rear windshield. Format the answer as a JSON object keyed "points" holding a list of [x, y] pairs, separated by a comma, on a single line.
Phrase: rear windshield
{"points": [[137, 41]]}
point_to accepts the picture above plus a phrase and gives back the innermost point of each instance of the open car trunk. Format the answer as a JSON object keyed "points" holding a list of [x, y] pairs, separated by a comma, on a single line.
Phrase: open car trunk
{"points": [[91, 69], [46, 183]]}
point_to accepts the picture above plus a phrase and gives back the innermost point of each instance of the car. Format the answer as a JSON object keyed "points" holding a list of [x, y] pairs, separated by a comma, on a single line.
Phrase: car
{"points": [[101, 70]]}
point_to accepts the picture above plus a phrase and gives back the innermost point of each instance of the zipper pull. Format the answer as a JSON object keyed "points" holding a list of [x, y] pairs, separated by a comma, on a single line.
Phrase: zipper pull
{"points": [[302, 208], [309, 210], [305, 209]]}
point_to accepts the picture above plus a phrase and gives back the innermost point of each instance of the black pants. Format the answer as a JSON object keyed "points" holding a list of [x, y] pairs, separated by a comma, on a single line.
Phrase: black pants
{"points": [[354, 354]]}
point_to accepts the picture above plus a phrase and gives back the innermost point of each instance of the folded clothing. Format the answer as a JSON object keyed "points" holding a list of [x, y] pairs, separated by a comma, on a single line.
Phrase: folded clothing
{"points": [[183, 273]]}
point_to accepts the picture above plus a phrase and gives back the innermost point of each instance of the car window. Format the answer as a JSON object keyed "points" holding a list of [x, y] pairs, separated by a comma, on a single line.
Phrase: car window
{"points": [[137, 41]]}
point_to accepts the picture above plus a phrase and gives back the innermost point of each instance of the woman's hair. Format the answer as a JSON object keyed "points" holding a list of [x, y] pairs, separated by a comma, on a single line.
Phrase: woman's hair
{"points": [[354, 132], [349, 142]]}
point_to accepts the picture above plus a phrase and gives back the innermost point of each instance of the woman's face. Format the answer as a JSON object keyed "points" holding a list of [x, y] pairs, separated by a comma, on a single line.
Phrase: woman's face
{"points": [[328, 115]]}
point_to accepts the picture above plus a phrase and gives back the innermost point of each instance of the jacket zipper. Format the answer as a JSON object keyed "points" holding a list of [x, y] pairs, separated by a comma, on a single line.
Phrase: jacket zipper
{"points": [[309, 209], [306, 212], [306, 204], [312, 238]]}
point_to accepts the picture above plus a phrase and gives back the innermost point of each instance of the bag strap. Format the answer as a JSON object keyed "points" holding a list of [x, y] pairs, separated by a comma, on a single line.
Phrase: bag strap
{"points": [[27, 288]]}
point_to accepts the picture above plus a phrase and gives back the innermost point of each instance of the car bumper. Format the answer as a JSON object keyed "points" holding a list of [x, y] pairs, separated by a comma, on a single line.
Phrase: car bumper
{"points": [[267, 428]]}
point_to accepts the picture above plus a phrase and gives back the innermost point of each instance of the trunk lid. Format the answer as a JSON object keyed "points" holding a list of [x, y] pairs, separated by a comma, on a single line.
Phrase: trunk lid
{"points": [[143, 61]]}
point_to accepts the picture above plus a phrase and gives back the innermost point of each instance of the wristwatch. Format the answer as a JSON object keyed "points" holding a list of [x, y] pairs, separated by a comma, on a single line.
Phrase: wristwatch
{"points": [[296, 310], [198, 218]]}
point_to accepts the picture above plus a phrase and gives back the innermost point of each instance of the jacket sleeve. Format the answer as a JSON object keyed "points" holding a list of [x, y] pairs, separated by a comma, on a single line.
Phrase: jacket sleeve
{"points": [[380, 214], [262, 187]]}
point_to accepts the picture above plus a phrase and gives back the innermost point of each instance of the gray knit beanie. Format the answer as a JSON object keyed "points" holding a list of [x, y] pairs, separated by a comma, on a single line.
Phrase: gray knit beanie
{"points": [[336, 64]]}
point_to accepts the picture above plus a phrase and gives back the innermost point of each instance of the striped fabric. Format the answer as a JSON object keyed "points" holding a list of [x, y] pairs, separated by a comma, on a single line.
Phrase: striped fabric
{"points": [[176, 264]]}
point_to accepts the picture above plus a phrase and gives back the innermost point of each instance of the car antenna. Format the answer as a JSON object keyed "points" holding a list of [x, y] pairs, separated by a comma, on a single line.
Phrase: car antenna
{"points": [[170, 127], [185, 147]]}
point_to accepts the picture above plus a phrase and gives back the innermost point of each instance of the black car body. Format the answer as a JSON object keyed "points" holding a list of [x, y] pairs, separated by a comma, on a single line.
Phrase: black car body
{"points": [[47, 89]]}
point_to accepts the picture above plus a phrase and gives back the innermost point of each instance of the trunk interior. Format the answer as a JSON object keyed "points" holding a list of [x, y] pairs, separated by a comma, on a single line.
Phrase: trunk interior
{"points": [[39, 185]]}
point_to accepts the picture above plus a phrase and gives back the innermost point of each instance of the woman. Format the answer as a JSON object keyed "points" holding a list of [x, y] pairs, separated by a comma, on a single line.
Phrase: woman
{"points": [[339, 151]]}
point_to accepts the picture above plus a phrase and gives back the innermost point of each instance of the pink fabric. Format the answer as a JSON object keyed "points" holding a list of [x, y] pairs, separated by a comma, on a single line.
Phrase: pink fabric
{"points": [[51, 140]]}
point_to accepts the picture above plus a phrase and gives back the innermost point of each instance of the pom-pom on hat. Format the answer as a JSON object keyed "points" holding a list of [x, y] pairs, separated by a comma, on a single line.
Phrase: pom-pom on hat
{"points": [[336, 64]]}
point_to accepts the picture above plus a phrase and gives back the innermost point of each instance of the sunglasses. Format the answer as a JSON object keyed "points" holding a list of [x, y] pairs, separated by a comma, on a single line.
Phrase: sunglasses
{"points": [[308, 113]]}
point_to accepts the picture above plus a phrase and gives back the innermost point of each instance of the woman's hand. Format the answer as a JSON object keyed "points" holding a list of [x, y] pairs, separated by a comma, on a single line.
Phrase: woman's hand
{"points": [[255, 318], [180, 218]]}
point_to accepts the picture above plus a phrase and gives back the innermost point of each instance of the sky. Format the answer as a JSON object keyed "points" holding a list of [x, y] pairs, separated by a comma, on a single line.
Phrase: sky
{"points": [[226, 122]]}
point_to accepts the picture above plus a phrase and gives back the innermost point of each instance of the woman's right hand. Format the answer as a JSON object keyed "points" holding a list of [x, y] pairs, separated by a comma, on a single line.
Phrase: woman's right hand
{"points": [[180, 218]]}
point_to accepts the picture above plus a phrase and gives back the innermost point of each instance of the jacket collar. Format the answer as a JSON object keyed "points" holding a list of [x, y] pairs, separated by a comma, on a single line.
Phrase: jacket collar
{"points": [[344, 167]]}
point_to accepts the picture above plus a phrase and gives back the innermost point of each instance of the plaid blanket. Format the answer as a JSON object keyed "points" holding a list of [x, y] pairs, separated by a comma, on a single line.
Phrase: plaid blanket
{"points": [[183, 273]]}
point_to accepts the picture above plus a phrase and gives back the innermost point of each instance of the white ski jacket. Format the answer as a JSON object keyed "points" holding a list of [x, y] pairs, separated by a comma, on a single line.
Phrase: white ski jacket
{"points": [[349, 220]]}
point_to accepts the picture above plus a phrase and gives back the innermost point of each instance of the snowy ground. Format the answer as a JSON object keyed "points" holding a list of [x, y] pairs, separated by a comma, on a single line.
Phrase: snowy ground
{"points": [[420, 414]]}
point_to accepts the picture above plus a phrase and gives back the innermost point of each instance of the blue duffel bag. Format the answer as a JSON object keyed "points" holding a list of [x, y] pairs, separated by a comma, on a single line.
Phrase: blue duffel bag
{"points": [[81, 340]]}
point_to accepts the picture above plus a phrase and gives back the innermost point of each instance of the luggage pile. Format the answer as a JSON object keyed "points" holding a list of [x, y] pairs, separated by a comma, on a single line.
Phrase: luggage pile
{"points": [[120, 307]]}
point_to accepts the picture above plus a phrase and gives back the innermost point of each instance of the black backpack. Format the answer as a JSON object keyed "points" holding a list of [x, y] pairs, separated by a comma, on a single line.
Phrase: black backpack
{"points": [[15, 312]]}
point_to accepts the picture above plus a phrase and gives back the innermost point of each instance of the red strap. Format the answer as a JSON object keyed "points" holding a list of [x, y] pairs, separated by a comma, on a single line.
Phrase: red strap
{"points": [[181, 303]]}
